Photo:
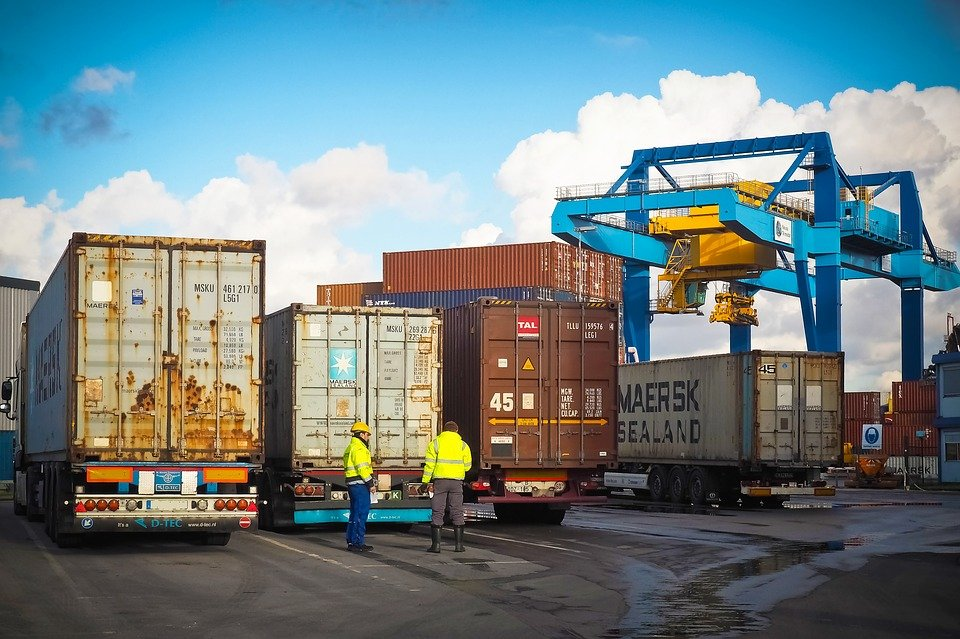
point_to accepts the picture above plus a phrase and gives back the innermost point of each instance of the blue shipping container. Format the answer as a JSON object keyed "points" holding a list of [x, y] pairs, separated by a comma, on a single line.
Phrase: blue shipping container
{"points": [[451, 299], [6, 455]]}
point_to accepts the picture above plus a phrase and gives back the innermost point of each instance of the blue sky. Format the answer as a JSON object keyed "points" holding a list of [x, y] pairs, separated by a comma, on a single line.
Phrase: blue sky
{"points": [[340, 130]]}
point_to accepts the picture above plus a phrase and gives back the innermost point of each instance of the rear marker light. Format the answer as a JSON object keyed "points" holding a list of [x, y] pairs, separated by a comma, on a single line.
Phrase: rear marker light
{"points": [[298, 490], [79, 508], [308, 490], [102, 504], [242, 504], [219, 504], [231, 504], [114, 505], [131, 505], [89, 505]]}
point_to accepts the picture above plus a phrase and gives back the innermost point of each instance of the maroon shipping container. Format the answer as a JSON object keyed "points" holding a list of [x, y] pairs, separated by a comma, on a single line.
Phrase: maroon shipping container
{"points": [[918, 396], [346, 294], [862, 406], [544, 264], [533, 386]]}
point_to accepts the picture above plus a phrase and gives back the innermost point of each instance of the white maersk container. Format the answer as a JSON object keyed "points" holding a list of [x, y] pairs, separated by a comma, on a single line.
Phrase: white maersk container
{"points": [[328, 367], [755, 424], [139, 389]]}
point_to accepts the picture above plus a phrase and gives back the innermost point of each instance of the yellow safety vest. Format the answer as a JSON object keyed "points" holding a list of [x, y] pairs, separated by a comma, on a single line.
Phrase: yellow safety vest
{"points": [[357, 465], [448, 457]]}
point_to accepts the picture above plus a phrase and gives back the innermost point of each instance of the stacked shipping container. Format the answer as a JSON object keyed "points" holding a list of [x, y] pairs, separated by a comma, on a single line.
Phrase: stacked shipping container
{"points": [[913, 408]]}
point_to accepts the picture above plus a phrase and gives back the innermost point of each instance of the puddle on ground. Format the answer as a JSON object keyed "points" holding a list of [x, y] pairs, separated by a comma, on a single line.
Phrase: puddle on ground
{"points": [[661, 605]]}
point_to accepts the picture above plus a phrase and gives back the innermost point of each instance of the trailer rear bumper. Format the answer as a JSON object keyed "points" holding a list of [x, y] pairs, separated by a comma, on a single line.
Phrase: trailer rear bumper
{"points": [[94, 522], [560, 501], [395, 514]]}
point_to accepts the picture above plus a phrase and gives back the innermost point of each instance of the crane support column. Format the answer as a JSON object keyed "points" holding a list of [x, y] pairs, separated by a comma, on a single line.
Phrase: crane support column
{"points": [[636, 309]]}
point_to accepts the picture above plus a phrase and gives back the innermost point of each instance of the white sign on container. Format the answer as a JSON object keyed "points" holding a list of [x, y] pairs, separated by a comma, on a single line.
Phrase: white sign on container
{"points": [[872, 437]]}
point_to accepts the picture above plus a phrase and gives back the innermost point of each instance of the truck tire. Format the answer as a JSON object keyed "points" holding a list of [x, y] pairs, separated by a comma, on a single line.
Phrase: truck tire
{"points": [[552, 517], [33, 508], [677, 484], [701, 486], [277, 513], [508, 513], [657, 483], [58, 493]]}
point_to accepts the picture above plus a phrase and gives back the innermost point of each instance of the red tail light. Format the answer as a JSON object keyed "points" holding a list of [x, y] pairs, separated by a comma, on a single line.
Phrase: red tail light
{"points": [[231, 504], [480, 485], [114, 504], [252, 507], [242, 504], [79, 508], [101, 504], [89, 505], [219, 504], [298, 490]]}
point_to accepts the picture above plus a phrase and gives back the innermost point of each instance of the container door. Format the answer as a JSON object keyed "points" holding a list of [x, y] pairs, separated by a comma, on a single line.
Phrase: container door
{"points": [[211, 355], [122, 322], [822, 394], [778, 407], [404, 385], [331, 373]]}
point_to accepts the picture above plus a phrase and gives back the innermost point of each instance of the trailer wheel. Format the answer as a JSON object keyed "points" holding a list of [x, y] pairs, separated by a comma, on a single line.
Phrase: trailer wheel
{"points": [[33, 510], [508, 513], [677, 484], [699, 490], [58, 495], [657, 483]]}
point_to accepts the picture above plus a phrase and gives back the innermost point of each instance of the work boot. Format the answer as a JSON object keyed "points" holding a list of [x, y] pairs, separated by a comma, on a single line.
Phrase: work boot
{"points": [[458, 539], [434, 539]]}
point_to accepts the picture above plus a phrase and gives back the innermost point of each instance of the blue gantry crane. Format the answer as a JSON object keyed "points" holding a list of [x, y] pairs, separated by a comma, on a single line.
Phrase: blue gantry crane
{"points": [[717, 227]]}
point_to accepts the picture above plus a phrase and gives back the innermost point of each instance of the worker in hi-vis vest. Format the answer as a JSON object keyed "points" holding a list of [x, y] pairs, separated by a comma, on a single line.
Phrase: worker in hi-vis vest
{"points": [[358, 470], [448, 460]]}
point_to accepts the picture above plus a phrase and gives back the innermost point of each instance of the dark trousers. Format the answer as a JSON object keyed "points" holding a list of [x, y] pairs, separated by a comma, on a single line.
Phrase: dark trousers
{"points": [[447, 493], [359, 509]]}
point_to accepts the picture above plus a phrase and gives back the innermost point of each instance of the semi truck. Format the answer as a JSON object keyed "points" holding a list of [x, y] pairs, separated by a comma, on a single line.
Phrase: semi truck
{"points": [[739, 427], [327, 368], [532, 386], [137, 398]]}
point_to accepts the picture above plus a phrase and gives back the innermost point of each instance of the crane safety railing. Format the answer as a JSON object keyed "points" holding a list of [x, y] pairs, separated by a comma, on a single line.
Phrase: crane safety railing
{"points": [[784, 204], [861, 223]]}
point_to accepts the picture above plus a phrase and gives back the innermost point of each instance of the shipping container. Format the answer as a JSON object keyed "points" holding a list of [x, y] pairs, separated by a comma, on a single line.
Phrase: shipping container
{"points": [[917, 396], [140, 388], [346, 294], [725, 427], [862, 406], [328, 367], [449, 299], [551, 265], [532, 386], [16, 298]]}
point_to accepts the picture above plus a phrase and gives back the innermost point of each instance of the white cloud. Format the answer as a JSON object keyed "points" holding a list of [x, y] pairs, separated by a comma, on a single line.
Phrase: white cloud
{"points": [[102, 79], [482, 235], [900, 129], [300, 214]]}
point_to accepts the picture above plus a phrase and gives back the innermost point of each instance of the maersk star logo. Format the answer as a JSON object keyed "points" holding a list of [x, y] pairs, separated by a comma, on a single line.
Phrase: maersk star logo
{"points": [[343, 367]]}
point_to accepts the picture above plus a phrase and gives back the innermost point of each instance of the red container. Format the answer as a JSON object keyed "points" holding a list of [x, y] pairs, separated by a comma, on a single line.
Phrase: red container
{"points": [[346, 294], [545, 264], [919, 396], [864, 407]]}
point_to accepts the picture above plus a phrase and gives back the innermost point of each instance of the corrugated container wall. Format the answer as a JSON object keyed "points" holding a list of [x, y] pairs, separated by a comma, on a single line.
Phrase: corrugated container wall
{"points": [[533, 385], [918, 396], [546, 264], [346, 294], [449, 299], [17, 297], [328, 367], [766, 407], [147, 349]]}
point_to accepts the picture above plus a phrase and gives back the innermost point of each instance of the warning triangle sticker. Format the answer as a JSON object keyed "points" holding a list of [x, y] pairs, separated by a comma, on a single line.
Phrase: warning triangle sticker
{"points": [[527, 365]]}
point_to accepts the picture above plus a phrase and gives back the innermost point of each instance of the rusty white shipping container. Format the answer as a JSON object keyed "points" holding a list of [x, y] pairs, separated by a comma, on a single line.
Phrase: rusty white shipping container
{"points": [[140, 389], [533, 387], [16, 299], [328, 367], [147, 349], [553, 265]]}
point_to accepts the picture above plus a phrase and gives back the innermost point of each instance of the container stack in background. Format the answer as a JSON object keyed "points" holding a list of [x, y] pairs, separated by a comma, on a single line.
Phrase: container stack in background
{"points": [[16, 299], [543, 271], [860, 409], [913, 407]]}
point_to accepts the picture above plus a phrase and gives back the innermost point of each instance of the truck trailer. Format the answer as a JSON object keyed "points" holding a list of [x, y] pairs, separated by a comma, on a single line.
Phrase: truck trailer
{"points": [[328, 367], [758, 425], [138, 394], [532, 386]]}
